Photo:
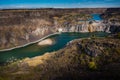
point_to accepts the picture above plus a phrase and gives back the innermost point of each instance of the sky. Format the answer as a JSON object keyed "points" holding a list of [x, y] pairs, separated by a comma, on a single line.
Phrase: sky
{"points": [[58, 3]]}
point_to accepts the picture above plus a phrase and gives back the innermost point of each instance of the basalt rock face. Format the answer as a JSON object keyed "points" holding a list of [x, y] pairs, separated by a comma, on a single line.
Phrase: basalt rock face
{"points": [[112, 17], [111, 14], [87, 27], [19, 27]]}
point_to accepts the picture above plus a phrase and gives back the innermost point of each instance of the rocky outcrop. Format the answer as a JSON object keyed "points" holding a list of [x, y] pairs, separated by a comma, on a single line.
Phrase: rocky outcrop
{"points": [[96, 47], [112, 17]]}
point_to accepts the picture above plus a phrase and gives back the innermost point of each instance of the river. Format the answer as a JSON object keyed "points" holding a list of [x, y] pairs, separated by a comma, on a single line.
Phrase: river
{"points": [[33, 50]]}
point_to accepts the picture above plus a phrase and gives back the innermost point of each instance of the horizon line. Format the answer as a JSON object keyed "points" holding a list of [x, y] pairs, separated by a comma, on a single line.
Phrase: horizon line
{"points": [[58, 8]]}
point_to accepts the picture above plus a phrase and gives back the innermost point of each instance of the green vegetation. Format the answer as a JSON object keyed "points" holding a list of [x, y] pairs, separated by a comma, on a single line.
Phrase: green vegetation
{"points": [[93, 36], [92, 65], [118, 35]]}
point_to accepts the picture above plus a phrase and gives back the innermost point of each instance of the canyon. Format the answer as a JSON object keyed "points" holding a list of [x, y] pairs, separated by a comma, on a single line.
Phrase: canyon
{"points": [[19, 27], [90, 57]]}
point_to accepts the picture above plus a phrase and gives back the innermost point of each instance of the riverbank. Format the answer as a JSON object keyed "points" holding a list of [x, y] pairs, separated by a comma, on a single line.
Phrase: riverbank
{"points": [[29, 43], [33, 50]]}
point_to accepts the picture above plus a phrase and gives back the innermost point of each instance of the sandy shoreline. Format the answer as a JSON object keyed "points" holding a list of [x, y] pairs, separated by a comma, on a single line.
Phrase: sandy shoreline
{"points": [[46, 42], [28, 43]]}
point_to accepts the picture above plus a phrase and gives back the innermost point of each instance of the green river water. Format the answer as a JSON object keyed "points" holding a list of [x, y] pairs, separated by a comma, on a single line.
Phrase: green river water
{"points": [[33, 50]]}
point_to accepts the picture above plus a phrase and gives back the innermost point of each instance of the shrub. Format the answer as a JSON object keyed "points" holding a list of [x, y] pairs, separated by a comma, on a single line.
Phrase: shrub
{"points": [[92, 65], [118, 35], [93, 36]]}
